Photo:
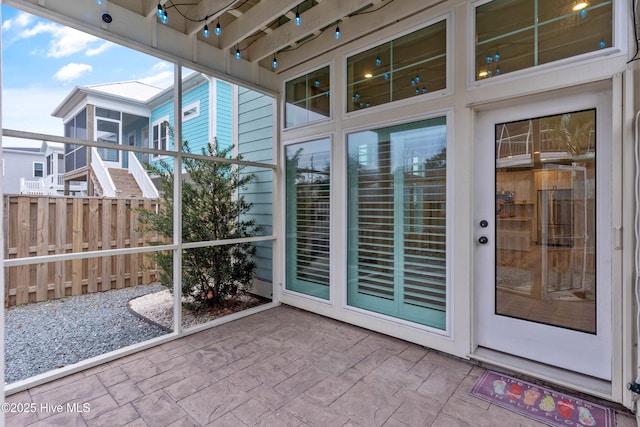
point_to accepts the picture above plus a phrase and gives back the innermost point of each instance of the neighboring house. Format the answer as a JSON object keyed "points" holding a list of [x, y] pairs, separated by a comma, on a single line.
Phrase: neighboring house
{"points": [[115, 113], [34, 170], [20, 163], [136, 114]]}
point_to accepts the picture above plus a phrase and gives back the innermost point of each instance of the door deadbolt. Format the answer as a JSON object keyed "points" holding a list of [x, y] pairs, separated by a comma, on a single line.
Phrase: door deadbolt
{"points": [[484, 223], [483, 240]]}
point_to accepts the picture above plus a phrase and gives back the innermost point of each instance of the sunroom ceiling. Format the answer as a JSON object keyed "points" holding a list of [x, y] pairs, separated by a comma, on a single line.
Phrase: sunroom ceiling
{"points": [[259, 29]]}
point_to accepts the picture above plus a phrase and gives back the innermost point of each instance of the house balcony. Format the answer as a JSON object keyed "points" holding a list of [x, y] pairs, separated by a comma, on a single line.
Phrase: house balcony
{"points": [[282, 366], [50, 185]]}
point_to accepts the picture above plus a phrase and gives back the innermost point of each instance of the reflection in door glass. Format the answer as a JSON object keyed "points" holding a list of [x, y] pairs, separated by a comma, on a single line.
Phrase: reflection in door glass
{"points": [[545, 220]]}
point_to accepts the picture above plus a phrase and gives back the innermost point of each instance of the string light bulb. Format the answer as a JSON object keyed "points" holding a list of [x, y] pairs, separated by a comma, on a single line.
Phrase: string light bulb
{"points": [[298, 20], [160, 11], [205, 31], [274, 63], [165, 17], [218, 28], [579, 5], [337, 31], [238, 54]]}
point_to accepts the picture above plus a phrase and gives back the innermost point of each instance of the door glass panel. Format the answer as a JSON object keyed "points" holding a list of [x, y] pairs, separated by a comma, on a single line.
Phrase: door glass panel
{"points": [[545, 220], [108, 132]]}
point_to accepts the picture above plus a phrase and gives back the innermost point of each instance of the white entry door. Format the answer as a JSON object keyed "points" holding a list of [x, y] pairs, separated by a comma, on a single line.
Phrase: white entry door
{"points": [[543, 231]]}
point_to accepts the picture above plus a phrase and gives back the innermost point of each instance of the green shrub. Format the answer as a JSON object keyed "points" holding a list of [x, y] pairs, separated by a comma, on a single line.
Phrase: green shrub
{"points": [[212, 209]]}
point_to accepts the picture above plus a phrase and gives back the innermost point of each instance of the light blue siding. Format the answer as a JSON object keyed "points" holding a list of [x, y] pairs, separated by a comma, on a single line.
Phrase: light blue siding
{"points": [[196, 130], [224, 114], [255, 143]]}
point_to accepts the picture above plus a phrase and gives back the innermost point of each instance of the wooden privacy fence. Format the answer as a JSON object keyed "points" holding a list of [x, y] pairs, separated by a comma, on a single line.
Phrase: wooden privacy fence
{"points": [[43, 225]]}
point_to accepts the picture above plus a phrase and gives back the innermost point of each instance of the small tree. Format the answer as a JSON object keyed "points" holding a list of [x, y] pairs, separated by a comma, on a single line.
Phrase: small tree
{"points": [[212, 209]]}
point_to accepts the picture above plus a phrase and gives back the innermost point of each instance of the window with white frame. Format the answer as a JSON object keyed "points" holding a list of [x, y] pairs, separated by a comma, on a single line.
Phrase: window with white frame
{"points": [[513, 35], [308, 177], [160, 134], [191, 111], [412, 65], [396, 215], [308, 98], [38, 169]]}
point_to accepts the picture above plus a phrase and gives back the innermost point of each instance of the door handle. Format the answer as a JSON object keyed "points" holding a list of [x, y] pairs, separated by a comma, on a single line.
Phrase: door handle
{"points": [[483, 240], [484, 223]]}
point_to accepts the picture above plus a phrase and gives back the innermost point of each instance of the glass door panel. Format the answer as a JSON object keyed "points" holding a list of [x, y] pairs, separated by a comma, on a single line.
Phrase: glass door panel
{"points": [[545, 228]]}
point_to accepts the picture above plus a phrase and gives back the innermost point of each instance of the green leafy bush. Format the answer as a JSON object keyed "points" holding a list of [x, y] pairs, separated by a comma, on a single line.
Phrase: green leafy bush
{"points": [[212, 209]]}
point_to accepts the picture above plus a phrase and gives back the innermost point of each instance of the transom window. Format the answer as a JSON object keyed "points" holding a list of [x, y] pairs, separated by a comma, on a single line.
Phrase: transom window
{"points": [[516, 34], [191, 111], [308, 98], [409, 66]]}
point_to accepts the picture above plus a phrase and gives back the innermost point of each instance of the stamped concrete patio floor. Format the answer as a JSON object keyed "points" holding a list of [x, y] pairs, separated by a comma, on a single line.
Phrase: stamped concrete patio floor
{"points": [[279, 367]]}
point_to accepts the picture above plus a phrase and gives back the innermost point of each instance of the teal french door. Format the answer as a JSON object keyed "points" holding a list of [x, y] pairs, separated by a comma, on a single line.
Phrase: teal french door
{"points": [[397, 222]]}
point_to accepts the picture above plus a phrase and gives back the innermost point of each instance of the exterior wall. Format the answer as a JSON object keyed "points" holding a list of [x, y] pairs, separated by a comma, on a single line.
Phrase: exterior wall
{"points": [[255, 143], [196, 130], [19, 164], [224, 113], [460, 102]]}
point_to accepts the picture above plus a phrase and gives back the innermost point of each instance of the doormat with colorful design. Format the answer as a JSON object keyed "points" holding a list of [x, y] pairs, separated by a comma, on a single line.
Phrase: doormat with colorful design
{"points": [[540, 403]]}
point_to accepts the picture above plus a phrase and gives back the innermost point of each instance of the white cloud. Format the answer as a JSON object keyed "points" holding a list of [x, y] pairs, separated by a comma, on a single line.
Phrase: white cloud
{"points": [[20, 21], [72, 71], [65, 41], [98, 50], [160, 75]]}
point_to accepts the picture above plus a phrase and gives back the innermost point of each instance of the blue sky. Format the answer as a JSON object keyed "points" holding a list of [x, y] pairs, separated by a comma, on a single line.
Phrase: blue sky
{"points": [[43, 61]]}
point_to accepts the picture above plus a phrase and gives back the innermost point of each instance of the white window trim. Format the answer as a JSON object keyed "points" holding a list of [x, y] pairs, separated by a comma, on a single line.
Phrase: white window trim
{"points": [[619, 48], [295, 295], [185, 111], [342, 213], [33, 169]]}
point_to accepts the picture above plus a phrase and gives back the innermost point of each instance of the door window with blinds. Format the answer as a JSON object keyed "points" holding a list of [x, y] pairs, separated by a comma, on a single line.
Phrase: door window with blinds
{"points": [[397, 221], [307, 221]]}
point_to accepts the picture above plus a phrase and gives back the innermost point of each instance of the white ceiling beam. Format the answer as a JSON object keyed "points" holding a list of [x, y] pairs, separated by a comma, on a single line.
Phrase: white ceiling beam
{"points": [[205, 8], [254, 19], [313, 20], [356, 27], [152, 7]]}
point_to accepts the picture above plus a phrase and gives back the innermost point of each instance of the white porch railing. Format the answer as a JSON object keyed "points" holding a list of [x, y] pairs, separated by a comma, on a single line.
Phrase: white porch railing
{"points": [[50, 185], [31, 186], [142, 178], [102, 174]]}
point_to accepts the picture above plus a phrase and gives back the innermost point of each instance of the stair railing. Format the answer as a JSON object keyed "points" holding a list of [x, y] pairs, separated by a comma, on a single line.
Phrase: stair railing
{"points": [[102, 174], [142, 178]]}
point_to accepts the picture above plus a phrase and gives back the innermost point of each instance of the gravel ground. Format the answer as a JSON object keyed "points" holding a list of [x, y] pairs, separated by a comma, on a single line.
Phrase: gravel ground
{"points": [[48, 335]]}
